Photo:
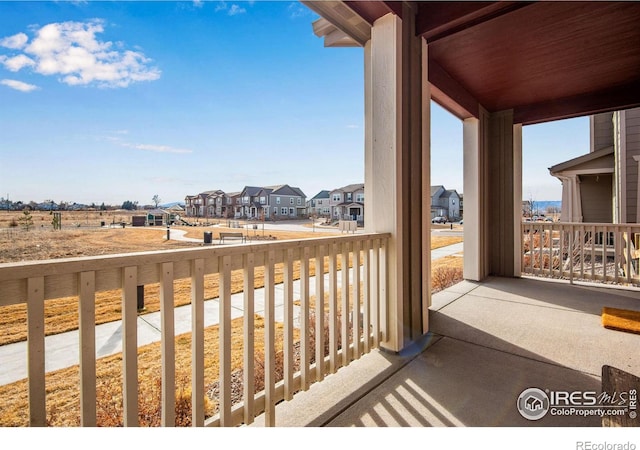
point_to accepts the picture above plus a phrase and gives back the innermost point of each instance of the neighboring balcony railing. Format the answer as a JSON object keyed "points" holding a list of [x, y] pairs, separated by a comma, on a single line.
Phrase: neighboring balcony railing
{"points": [[344, 319], [582, 251]]}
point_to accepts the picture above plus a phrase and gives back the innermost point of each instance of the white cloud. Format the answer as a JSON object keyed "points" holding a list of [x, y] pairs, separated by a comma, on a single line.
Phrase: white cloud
{"points": [[19, 85], [145, 147], [72, 51], [16, 42], [235, 9], [16, 63], [232, 10], [297, 10], [198, 3], [158, 148]]}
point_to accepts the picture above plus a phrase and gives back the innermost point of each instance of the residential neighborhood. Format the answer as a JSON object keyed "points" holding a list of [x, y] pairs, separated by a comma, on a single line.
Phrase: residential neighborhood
{"points": [[287, 202], [253, 202]]}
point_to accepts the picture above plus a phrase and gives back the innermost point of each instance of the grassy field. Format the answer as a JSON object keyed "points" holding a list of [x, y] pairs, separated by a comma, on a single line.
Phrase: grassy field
{"points": [[61, 315]]}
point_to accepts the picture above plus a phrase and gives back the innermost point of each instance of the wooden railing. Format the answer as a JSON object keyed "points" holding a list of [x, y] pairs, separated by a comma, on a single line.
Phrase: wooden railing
{"points": [[582, 251], [353, 313]]}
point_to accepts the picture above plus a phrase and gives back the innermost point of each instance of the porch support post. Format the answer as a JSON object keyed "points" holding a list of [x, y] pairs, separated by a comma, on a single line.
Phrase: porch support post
{"points": [[505, 190], [476, 192], [396, 155], [492, 195]]}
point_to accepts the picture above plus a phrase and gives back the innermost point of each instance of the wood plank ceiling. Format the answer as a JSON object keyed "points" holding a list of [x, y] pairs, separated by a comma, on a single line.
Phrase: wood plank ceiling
{"points": [[546, 60]]}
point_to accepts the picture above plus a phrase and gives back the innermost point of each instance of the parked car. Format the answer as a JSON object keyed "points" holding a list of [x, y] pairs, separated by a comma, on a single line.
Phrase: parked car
{"points": [[439, 219]]}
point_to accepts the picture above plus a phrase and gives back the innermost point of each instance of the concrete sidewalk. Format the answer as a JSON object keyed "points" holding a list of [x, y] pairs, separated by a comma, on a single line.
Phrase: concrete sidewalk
{"points": [[61, 350]]}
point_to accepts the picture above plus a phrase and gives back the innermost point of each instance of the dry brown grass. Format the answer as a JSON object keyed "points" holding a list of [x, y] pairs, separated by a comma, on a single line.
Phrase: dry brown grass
{"points": [[446, 272], [61, 315]]}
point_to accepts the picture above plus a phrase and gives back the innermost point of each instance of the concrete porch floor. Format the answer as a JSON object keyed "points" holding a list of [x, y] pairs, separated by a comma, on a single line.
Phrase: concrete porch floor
{"points": [[489, 341]]}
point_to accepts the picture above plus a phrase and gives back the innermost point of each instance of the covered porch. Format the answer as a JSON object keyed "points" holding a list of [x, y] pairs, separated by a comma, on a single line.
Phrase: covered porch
{"points": [[460, 357], [489, 341]]}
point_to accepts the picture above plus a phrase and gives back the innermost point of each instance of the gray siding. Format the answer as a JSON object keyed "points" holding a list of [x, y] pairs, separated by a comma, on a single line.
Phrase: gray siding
{"points": [[602, 131], [596, 197], [633, 149]]}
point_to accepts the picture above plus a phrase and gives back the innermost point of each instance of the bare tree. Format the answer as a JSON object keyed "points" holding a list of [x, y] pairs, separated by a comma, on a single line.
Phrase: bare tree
{"points": [[156, 200]]}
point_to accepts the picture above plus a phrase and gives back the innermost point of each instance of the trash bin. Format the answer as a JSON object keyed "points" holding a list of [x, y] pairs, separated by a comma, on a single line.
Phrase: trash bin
{"points": [[208, 236]]}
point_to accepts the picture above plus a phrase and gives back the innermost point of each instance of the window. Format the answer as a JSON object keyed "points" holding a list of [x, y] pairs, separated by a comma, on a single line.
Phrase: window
{"points": [[292, 212], [275, 211], [291, 200], [299, 201], [277, 200], [283, 211], [262, 200], [360, 198], [336, 197], [349, 196]]}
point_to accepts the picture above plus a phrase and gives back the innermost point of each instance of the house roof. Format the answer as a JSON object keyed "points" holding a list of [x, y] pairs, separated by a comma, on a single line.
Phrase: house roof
{"points": [[251, 190], [449, 192], [605, 154], [351, 187], [321, 195], [285, 189], [435, 189], [546, 60]]}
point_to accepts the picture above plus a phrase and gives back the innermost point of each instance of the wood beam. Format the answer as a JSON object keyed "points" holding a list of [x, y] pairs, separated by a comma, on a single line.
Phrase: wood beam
{"points": [[437, 20], [623, 97], [450, 94], [373, 10]]}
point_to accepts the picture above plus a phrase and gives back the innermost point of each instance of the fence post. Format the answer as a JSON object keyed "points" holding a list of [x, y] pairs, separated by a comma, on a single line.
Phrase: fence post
{"points": [[140, 298]]}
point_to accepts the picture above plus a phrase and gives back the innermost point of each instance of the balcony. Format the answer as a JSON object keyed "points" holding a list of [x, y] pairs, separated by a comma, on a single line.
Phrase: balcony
{"points": [[603, 253], [339, 339], [488, 341]]}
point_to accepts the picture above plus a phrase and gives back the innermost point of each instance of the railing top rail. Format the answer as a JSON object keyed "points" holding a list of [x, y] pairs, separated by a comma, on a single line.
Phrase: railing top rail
{"points": [[24, 269], [586, 224]]}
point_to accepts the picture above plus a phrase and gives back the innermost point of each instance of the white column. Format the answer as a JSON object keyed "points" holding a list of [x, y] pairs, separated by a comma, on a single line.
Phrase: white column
{"points": [[620, 173], [517, 199], [475, 132], [396, 155], [384, 162]]}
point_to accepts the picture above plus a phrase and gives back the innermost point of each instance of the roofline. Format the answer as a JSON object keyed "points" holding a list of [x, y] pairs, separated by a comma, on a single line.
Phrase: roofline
{"points": [[581, 160]]}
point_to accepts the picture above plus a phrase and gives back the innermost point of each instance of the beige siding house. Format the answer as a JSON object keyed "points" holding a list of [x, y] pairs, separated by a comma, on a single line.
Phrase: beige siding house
{"points": [[347, 202], [602, 186]]}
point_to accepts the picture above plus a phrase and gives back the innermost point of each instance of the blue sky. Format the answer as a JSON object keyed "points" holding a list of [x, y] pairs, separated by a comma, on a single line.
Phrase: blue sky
{"points": [[114, 101]]}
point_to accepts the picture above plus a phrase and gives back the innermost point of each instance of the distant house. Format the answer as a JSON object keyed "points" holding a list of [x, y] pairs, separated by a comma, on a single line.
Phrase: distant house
{"points": [[319, 205], [271, 203], [603, 186], [250, 205], [287, 202], [347, 202], [445, 203], [207, 204]]}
